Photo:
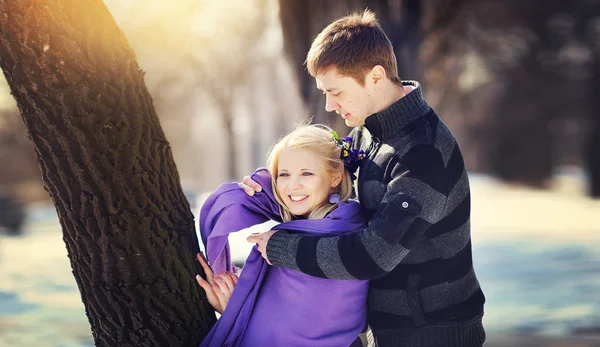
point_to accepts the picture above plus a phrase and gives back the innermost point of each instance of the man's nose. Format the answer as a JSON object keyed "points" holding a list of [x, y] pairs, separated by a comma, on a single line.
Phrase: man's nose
{"points": [[330, 105]]}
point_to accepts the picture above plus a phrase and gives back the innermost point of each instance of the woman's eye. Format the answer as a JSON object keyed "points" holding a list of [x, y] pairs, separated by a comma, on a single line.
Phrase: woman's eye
{"points": [[338, 94], [307, 174], [283, 175]]}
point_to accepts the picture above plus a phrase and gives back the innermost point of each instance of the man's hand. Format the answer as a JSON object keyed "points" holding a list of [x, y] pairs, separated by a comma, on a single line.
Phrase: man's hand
{"points": [[249, 186], [218, 288], [261, 240]]}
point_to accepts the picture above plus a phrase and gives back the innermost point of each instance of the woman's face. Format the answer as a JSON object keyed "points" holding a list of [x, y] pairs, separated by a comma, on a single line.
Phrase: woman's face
{"points": [[302, 183]]}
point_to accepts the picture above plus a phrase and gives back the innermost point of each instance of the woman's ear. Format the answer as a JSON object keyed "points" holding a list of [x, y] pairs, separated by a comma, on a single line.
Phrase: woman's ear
{"points": [[336, 179]]}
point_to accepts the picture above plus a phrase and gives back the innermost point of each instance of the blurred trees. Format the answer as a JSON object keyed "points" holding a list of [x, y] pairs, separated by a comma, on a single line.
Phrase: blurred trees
{"points": [[528, 105], [519, 50], [592, 144], [301, 22], [587, 32], [12, 214], [402, 20], [218, 80], [514, 79], [222, 89], [20, 176], [20, 179], [109, 170]]}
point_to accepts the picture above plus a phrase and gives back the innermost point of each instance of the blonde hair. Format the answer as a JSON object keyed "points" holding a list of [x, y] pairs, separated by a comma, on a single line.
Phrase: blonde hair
{"points": [[353, 45], [318, 140]]}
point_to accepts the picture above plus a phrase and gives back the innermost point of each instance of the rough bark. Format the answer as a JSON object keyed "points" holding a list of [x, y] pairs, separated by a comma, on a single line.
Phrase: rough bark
{"points": [[106, 164]]}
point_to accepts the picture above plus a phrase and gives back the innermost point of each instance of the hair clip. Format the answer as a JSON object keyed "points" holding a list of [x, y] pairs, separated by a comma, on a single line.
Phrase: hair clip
{"points": [[350, 156]]}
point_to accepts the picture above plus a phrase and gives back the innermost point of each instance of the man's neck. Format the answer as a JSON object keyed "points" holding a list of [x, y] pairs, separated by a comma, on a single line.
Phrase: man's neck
{"points": [[391, 93]]}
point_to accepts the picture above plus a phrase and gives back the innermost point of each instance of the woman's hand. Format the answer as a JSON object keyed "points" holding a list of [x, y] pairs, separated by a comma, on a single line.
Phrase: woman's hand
{"points": [[218, 288], [249, 186]]}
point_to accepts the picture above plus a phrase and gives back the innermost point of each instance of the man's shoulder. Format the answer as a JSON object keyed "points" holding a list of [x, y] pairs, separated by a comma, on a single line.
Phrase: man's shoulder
{"points": [[428, 130]]}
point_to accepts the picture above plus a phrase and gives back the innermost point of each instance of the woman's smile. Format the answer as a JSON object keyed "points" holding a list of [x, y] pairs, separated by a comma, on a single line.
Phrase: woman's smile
{"points": [[298, 198]]}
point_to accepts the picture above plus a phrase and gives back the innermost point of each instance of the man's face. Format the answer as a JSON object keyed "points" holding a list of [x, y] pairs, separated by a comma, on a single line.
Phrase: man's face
{"points": [[346, 97]]}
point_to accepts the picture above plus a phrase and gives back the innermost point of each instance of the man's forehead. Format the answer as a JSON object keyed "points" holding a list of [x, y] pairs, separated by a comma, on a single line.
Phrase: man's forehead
{"points": [[329, 81], [326, 87]]}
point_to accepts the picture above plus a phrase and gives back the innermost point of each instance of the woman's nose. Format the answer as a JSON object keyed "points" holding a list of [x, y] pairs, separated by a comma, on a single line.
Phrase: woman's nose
{"points": [[295, 183]]}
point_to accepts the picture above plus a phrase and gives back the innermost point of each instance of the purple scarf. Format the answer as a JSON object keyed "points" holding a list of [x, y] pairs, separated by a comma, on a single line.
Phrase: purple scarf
{"points": [[293, 309]]}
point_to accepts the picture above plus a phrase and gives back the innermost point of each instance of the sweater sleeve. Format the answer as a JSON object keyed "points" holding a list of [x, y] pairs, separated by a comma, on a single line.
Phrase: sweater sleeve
{"points": [[414, 200]]}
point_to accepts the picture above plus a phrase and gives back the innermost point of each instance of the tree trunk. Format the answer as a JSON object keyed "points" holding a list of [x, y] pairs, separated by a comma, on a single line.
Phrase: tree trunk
{"points": [[301, 22], [519, 140], [106, 164], [592, 150], [587, 20]]}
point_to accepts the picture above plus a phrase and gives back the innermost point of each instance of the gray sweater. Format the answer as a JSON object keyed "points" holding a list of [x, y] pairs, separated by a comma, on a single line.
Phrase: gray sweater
{"points": [[416, 250]]}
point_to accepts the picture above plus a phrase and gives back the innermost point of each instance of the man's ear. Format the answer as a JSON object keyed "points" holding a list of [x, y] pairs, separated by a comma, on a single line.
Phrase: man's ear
{"points": [[377, 74]]}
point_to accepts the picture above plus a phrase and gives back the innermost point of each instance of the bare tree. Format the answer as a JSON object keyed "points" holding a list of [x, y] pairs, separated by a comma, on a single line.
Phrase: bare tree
{"points": [[106, 164]]}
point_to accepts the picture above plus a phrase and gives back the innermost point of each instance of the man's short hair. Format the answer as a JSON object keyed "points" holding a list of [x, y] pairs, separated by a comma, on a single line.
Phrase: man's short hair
{"points": [[353, 45]]}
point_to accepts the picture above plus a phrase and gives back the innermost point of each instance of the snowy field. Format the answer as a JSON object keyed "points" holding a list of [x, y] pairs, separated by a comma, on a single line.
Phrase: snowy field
{"points": [[536, 253]]}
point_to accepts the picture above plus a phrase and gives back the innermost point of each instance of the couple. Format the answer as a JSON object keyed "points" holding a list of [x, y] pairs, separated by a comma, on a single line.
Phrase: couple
{"points": [[409, 237]]}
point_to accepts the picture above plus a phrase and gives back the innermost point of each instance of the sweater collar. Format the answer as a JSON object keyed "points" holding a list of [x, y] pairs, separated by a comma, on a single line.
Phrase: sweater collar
{"points": [[391, 120]]}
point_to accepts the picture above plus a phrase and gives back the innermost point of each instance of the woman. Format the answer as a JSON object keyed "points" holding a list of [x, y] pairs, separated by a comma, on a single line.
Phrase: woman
{"points": [[271, 306]]}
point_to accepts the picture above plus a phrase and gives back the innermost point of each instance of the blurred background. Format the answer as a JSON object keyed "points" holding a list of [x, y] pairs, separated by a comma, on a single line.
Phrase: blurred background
{"points": [[518, 82]]}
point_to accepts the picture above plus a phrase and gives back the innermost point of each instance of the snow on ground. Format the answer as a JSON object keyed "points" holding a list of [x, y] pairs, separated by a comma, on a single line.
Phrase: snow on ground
{"points": [[536, 253]]}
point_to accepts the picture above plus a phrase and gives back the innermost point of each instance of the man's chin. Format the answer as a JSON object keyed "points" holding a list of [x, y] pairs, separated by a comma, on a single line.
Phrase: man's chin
{"points": [[350, 123]]}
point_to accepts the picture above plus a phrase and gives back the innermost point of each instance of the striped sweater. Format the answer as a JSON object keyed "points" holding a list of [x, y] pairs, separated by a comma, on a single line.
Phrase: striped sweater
{"points": [[416, 250]]}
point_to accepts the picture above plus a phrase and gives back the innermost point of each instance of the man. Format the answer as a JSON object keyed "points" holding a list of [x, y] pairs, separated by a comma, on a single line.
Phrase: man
{"points": [[413, 188]]}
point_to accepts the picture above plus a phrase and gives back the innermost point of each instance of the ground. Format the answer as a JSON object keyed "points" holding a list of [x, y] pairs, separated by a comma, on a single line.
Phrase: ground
{"points": [[536, 253]]}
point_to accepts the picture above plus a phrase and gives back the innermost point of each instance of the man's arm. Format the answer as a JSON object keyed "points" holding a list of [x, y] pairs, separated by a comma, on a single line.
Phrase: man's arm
{"points": [[413, 201]]}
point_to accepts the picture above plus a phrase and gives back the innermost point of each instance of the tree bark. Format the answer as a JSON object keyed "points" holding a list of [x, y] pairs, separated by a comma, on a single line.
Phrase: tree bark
{"points": [[106, 164]]}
